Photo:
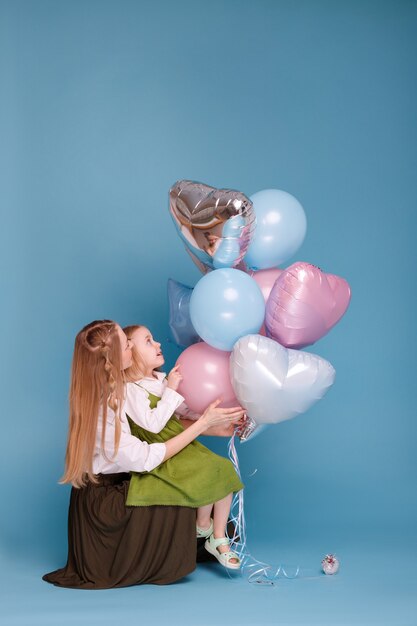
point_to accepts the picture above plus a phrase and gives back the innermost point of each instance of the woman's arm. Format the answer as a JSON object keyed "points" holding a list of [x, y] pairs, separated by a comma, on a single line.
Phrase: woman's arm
{"points": [[132, 455], [213, 417], [187, 417], [213, 431]]}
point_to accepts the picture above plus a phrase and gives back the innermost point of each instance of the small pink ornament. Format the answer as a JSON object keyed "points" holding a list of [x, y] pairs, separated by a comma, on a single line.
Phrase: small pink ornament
{"points": [[330, 564]]}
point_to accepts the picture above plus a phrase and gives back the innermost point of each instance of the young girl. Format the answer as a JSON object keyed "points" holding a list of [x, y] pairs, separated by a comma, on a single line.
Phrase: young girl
{"points": [[109, 543], [196, 477]]}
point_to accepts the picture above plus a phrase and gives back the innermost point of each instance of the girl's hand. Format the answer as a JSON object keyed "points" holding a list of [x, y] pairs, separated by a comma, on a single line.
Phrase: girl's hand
{"points": [[214, 416], [174, 378]]}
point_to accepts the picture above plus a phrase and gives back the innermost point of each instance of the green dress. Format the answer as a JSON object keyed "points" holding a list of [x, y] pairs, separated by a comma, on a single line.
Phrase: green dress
{"points": [[194, 477]]}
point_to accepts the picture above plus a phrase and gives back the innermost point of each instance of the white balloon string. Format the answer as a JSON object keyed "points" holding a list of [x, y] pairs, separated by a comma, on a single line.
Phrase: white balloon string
{"points": [[255, 571]]}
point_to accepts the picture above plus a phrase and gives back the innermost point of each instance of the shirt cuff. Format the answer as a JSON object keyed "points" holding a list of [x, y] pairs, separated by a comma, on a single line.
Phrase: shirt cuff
{"points": [[173, 396], [156, 455]]}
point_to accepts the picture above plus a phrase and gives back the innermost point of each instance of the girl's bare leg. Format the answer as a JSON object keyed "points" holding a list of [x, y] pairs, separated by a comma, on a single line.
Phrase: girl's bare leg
{"points": [[220, 517], [204, 515]]}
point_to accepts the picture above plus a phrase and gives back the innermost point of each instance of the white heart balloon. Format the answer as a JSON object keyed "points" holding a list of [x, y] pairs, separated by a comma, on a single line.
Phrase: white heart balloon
{"points": [[274, 383]]}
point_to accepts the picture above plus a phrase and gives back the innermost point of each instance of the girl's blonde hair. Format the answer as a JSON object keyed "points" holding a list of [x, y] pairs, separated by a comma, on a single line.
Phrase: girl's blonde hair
{"points": [[97, 381], [137, 370]]}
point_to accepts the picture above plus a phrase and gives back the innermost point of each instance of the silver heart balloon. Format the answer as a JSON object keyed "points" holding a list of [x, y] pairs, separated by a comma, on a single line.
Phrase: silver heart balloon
{"points": [[215, 225], [274, 383]]}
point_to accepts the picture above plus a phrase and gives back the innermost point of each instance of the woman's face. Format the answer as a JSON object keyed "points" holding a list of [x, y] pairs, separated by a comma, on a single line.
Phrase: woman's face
{"points": [[126, 346], [149, 349]]}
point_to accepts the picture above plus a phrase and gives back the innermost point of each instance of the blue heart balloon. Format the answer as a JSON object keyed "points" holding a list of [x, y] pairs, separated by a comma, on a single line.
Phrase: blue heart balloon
{"points": [[182, 330]]}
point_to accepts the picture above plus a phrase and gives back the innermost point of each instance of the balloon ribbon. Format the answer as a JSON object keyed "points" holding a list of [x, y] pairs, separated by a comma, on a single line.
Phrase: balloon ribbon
{"points": [[254, 570]]}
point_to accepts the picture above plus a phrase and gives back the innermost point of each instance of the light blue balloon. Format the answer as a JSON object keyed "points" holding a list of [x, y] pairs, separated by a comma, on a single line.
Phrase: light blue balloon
{"points": [[226, 304], [281, 226]]}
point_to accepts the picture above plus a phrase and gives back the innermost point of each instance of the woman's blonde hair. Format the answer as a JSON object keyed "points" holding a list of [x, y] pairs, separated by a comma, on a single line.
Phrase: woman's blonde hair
{"points": [[137, 370], [97, 382]]}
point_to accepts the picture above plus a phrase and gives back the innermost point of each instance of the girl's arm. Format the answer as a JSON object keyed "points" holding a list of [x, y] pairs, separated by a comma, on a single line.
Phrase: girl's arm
{"points": [[137, 406], [184, 411]]}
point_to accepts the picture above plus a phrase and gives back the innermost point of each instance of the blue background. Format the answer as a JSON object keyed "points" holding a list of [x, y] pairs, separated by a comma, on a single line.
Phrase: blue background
{"points": [[103, 106]]}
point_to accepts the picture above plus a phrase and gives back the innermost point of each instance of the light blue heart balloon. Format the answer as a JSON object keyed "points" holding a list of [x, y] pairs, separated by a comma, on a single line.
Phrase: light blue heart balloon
{"points": [[226, 254], [228, 251]]}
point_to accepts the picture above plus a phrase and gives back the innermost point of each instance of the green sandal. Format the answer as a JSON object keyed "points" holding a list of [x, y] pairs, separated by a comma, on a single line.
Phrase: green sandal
{"points": [[223, 558], [205, 532]]}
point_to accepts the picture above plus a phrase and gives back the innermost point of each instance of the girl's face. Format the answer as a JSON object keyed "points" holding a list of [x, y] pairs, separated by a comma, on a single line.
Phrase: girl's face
{"points": [[126, 346], [149, 349]]}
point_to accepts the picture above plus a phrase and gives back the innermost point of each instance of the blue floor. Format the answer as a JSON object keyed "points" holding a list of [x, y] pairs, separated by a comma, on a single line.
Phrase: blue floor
{"points": [[377, 584]]}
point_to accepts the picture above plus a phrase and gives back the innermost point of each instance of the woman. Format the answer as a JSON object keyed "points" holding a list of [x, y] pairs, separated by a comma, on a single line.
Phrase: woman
{"points": [[109, 543]]}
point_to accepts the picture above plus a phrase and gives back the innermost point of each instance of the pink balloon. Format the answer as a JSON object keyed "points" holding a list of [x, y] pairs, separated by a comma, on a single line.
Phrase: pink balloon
{"points": [[304, 304], [266, 279], [206, 377]]}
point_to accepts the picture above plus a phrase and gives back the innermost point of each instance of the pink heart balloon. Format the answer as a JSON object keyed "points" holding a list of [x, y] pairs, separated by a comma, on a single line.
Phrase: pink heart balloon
{"points": [[304, 304]]}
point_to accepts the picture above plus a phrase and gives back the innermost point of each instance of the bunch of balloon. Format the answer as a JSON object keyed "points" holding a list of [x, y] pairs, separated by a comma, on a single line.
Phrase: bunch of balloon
{"points": [[216, 227], [246, 319]]}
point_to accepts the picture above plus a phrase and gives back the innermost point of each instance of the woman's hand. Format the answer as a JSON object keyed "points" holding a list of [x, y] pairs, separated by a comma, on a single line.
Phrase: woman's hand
{"points": [[174, 378], [220, 417], [213, 418], [227, 430]]}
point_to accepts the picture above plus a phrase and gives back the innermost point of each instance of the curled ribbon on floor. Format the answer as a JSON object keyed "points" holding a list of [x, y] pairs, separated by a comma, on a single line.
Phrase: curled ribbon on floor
{"points": [[255, 571]]}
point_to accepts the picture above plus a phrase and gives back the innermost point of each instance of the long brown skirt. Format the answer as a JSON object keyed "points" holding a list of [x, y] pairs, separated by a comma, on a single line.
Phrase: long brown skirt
{"points": [[112, 545]]}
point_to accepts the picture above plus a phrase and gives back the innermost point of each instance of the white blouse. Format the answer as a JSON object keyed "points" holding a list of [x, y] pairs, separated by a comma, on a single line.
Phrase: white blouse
{"points": [[158, 416], [133, 454]]}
